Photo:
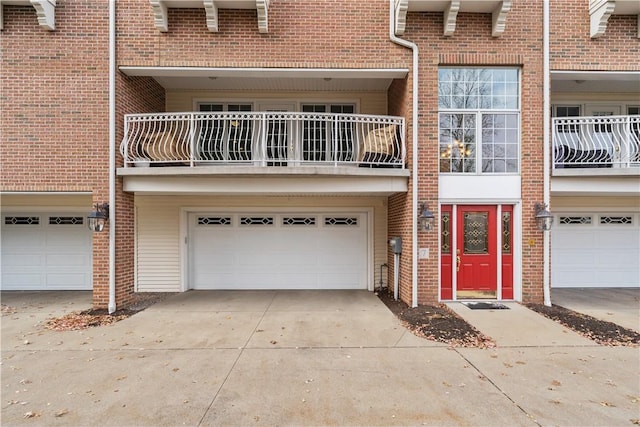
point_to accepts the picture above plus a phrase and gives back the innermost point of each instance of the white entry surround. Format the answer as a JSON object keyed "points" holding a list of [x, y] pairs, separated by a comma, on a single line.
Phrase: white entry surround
{"points": [[278, 249]]}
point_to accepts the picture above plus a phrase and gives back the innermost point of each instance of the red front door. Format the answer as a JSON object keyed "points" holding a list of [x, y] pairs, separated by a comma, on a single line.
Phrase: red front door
{"points": [[471, 251], [476, 252]]}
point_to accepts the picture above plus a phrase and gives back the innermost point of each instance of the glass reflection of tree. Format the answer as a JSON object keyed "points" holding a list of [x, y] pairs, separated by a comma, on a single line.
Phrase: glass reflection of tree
{"points": [[461, 89]]}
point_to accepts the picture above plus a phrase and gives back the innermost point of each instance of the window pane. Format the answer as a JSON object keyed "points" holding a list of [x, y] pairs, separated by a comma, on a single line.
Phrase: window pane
{"points": [[457, 142], [499, 143]]}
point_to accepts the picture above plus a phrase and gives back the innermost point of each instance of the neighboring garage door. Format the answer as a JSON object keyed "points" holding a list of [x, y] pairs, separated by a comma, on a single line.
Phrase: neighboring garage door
{"points": [[595, 250], [278, 251], [45, 252]]}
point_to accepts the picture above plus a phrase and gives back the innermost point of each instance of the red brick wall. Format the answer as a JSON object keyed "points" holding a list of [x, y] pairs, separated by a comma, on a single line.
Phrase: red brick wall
{"points": [[133, 95], [54, 100], [302, 33], [572, 47], [399, 212], [472, 45]]}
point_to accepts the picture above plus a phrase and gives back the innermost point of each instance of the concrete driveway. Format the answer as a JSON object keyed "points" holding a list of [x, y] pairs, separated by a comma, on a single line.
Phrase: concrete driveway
{"points": [[299, 357]]}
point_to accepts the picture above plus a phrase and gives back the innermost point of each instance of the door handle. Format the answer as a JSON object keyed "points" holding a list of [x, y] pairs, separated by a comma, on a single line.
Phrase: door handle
{"points": [[458, 260]]}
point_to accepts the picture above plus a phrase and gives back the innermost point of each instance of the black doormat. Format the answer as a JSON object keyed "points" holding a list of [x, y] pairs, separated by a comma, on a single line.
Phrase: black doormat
{"points": [[485, 306]]}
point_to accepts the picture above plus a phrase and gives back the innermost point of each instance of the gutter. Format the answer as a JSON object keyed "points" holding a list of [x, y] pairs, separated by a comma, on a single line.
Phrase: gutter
{"points": [[414, 165], [546, 239], [112, 156]]}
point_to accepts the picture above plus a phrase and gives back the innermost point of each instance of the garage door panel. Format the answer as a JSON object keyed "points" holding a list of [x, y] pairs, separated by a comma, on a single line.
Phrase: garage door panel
{"points": [[51, 253], [18, 262], [600, 253], [63, 261], [66, 281], [295, 251]]}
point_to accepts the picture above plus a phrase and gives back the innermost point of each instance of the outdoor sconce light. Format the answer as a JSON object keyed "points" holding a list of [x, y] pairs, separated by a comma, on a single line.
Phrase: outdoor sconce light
{"points": [[544, 218], [97, 218], [426, 218]]}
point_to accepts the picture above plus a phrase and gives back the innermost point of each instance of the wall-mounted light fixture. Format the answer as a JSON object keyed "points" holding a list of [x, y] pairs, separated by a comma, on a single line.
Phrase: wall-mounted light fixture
{"points": [[97, 218], [544, 218], [426, 218]]}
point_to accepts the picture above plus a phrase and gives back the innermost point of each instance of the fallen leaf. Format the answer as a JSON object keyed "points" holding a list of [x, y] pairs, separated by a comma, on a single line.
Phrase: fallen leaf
{"points": [[556, 383], [607, 404], [61, 412], [31, 414]]}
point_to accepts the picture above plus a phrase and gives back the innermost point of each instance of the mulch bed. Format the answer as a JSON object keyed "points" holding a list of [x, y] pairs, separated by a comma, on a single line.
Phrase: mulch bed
{"points": [[439, 323], [91, 318], [600, 331], [436, 323]]}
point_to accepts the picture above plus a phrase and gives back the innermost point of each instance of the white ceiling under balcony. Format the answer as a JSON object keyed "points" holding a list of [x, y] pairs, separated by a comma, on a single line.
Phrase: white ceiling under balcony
{"points": [[596, 81], [270, 79]]}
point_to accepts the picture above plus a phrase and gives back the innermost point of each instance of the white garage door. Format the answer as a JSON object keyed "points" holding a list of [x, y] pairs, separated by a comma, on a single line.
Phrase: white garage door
{"points": [[278, 251], [46, 252], [595, 250]]}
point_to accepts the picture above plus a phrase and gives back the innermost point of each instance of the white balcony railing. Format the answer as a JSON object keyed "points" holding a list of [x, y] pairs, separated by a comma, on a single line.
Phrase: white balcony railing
{"points": [[263, 139], [596, 142]]}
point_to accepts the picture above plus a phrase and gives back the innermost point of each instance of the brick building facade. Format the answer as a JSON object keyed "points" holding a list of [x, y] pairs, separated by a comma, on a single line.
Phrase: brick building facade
{"points": [[272, 146]]}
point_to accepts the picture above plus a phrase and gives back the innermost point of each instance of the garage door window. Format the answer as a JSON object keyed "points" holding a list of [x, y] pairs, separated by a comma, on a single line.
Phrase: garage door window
{"points": [[66, 220], [575, 220], [341, 221], [616, 220], [256, 220], [214, 220], [289, 221], [21, 220]]}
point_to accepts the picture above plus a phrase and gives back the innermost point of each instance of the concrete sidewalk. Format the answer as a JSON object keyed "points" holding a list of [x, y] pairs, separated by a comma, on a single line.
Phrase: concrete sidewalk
{"points": [[300, 358]]}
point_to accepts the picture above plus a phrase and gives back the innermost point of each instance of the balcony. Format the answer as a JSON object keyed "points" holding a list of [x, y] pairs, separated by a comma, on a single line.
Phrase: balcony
{"points": [[255, 152], [603, 145], [263, 139]]}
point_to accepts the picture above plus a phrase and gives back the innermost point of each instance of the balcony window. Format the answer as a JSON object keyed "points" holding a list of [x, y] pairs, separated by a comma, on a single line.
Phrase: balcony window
{"points": [[324, 139], [227, 138], [479, 120]]}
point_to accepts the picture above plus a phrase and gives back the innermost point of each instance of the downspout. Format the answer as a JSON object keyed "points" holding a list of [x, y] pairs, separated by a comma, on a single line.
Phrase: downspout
{"points": [[546, 154], [112, 156], [414, 165]]}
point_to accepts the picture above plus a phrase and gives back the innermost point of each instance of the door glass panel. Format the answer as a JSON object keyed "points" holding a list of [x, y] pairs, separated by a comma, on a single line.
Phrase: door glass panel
{"points": [[506, 232], [476, 235], [446, 233]]}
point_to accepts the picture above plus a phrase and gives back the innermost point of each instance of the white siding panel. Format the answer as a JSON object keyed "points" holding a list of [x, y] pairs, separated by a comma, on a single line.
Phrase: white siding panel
{"points": [[158, 248]]}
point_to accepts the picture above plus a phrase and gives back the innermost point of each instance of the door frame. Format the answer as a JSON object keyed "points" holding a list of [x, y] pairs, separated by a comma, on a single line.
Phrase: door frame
{"points": [[516, 242]]}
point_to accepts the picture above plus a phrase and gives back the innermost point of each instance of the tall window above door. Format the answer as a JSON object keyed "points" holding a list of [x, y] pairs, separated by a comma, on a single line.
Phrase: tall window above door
{"points": [[479, 120]]}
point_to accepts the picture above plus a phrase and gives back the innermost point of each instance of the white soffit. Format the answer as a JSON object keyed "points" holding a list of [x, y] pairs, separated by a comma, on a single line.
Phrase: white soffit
{"points": [[601, 10], [498, 8], [304, 79], [211, 7], [45, 11], [596, 81]]}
